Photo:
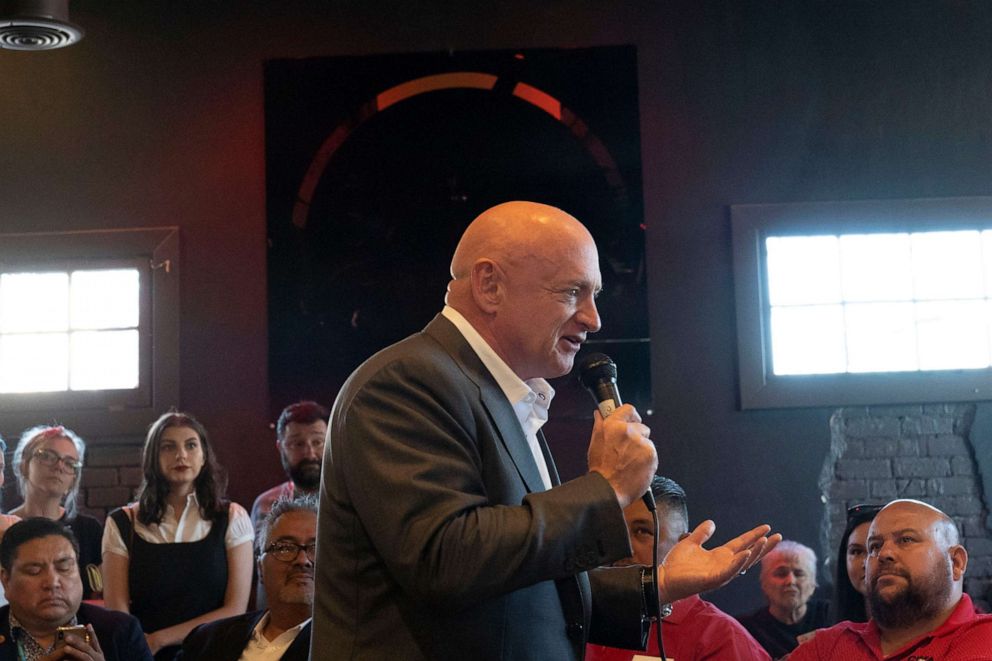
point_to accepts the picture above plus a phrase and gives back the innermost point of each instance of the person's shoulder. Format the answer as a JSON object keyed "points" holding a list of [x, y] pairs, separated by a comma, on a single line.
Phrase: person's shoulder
{"points": [[88, 522], [104, 618], [753, 616], [819, 610], [202, 635], [825, 640], [234, 510]]}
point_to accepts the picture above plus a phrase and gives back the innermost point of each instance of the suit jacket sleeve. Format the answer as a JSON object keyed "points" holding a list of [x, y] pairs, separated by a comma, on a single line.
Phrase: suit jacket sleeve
{"points": [[619, 614], [431, 479]]}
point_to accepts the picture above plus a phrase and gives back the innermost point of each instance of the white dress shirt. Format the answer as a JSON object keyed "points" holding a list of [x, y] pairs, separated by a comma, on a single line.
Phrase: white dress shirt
{"points": [[530, 399], [261, 649], [189, 527]]}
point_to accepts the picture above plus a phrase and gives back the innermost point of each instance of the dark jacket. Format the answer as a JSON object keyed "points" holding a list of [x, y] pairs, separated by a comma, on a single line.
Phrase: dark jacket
{"points": [[436, 538], [120, 635], [225, 640]]}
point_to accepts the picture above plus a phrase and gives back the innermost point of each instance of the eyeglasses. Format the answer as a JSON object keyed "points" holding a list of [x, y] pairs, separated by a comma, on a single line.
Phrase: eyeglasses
{"points": [[53, 459], [863, 511], [288, 551]]}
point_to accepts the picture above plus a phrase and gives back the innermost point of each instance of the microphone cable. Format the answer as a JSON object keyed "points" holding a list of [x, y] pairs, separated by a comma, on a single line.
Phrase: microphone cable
{"points": [[649, 501]]}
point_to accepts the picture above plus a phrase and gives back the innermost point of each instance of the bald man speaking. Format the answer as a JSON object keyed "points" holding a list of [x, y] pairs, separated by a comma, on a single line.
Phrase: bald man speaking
{"points": [[444, 532]]}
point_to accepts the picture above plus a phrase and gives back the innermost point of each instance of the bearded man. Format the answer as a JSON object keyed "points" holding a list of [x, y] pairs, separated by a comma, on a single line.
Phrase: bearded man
{"points": [[915, 572]]}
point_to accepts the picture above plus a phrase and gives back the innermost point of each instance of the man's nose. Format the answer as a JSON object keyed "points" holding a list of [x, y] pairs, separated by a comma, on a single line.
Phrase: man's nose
{"points": [[588, 316], [51, 578]]}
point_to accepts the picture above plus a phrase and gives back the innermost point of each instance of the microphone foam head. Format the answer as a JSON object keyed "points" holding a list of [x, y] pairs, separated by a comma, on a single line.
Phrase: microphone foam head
{"points": [[596, 367]]}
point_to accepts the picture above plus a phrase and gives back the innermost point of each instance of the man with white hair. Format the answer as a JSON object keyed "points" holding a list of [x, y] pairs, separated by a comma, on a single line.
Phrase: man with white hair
{"points": [[915, 572], [788, 579]]}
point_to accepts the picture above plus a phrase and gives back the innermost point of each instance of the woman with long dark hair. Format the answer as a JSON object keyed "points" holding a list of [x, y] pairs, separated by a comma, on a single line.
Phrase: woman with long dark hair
{"points": [[182, 554], [850, 589]]}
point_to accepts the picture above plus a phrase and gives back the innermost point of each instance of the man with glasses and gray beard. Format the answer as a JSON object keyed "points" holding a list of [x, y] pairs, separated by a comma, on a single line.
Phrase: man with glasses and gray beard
{"points": [[915, 571], [285, 543]]}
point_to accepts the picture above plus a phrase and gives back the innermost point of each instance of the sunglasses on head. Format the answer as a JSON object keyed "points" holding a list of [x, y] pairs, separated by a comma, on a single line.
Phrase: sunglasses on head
{"points": [[858, 511]]}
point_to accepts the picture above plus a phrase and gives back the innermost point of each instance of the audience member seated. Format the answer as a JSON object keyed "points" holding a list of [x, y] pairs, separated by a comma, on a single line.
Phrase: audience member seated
{"points": [[695, 629], [850, 590], [915, 572], [40, 573], [285, 542], [6, 520], [300, 433], [181, 555], [48, 463], [788, 578]]}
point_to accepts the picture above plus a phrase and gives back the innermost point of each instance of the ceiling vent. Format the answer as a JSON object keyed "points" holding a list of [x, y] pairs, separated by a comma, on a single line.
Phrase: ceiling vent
{"points": [[37, 25]]}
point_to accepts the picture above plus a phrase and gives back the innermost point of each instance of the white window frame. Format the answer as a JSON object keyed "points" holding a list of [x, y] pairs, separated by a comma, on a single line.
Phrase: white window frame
{"points": [[759, 386], [155, 253]]}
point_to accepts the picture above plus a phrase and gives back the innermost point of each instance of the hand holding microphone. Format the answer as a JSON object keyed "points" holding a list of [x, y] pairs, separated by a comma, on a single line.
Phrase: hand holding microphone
{"points": [[620, 449]]}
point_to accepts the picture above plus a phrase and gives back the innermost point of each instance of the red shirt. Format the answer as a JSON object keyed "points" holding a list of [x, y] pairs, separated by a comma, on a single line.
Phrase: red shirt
{"points": [[965, 636], [695, 631]]}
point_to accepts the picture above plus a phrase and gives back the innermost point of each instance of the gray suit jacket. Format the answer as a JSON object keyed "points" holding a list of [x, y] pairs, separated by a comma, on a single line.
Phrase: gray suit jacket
{"points": [[436, 539]]}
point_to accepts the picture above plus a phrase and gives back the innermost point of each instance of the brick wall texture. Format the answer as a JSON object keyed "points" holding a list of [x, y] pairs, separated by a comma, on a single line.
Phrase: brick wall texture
{"points": [[878, 454]]}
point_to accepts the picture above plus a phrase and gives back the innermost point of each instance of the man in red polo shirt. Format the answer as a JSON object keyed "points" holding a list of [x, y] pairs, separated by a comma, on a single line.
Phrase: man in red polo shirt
{"points": [[915, 571], [695, 630]]}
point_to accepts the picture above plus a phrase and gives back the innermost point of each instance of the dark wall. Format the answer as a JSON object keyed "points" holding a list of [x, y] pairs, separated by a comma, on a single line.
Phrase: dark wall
{"points": [[156, 118]]}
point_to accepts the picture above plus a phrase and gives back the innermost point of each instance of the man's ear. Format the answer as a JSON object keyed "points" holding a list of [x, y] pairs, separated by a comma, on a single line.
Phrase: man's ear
{"points": [[959, 561], [487, 285], [4, 578]]}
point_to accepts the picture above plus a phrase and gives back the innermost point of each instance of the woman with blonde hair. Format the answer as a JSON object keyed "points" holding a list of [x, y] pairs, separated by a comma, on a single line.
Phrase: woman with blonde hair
{"points": [[48, 464], [182, 554]]}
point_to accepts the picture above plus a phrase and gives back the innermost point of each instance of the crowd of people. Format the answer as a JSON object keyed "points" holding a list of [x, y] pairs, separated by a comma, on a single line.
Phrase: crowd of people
{"points": [[169, 575], [443, 529]]}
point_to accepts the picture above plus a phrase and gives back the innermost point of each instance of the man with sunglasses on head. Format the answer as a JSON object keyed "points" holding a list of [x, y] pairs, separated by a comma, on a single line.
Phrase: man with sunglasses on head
{"points": [[919, 611], [285, 542]]}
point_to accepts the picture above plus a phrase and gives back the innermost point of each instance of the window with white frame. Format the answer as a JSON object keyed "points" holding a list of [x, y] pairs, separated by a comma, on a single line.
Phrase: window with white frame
{"points": [[864, 302], [88, 328]]}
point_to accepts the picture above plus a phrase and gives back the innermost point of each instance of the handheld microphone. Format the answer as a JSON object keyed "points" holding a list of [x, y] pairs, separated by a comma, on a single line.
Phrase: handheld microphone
{"points": [[598, 373]]}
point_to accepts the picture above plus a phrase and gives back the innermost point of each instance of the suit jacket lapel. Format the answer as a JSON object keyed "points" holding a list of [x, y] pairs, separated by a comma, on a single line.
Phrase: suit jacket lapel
{"points": [[548, 459], [238, 636], [300, 647], [501, 414]]}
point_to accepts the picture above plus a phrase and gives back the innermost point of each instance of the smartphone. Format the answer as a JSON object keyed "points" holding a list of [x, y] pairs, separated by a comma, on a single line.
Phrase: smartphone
{"points": [[77, 630]]}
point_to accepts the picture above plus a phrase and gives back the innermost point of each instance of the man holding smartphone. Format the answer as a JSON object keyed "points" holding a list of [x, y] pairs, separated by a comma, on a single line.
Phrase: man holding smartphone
{"points": [[44, 620]]}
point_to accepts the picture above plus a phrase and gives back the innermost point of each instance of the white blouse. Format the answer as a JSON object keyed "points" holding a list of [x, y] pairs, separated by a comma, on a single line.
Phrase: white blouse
{"points": [[190, 527]]}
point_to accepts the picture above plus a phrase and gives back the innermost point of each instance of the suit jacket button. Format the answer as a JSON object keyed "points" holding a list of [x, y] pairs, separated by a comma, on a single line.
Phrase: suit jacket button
{"points": [[574, 630]]}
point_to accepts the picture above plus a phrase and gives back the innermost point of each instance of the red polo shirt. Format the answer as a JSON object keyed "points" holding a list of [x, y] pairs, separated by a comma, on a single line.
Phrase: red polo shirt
{"points": [[695, 631], [965, 636]]}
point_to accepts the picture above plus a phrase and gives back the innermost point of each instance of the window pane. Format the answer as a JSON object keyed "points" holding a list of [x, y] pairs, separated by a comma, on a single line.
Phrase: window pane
{"points": [[803, 269], [953, 335], [104, 360], [105, 299], [947, 265], [31, 302], [876, 267], [987, 260], [881, 337], [34, 363], [808, 340]]}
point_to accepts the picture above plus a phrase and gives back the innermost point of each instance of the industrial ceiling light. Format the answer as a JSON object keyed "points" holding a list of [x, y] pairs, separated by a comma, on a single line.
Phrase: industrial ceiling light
{"points": [[37, 25]]}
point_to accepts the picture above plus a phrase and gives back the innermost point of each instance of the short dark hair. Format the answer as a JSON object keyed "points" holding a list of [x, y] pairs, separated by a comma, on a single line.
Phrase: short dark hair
{"points": [[301, 503], [304, 413], [667, 493], [24, 531]]}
